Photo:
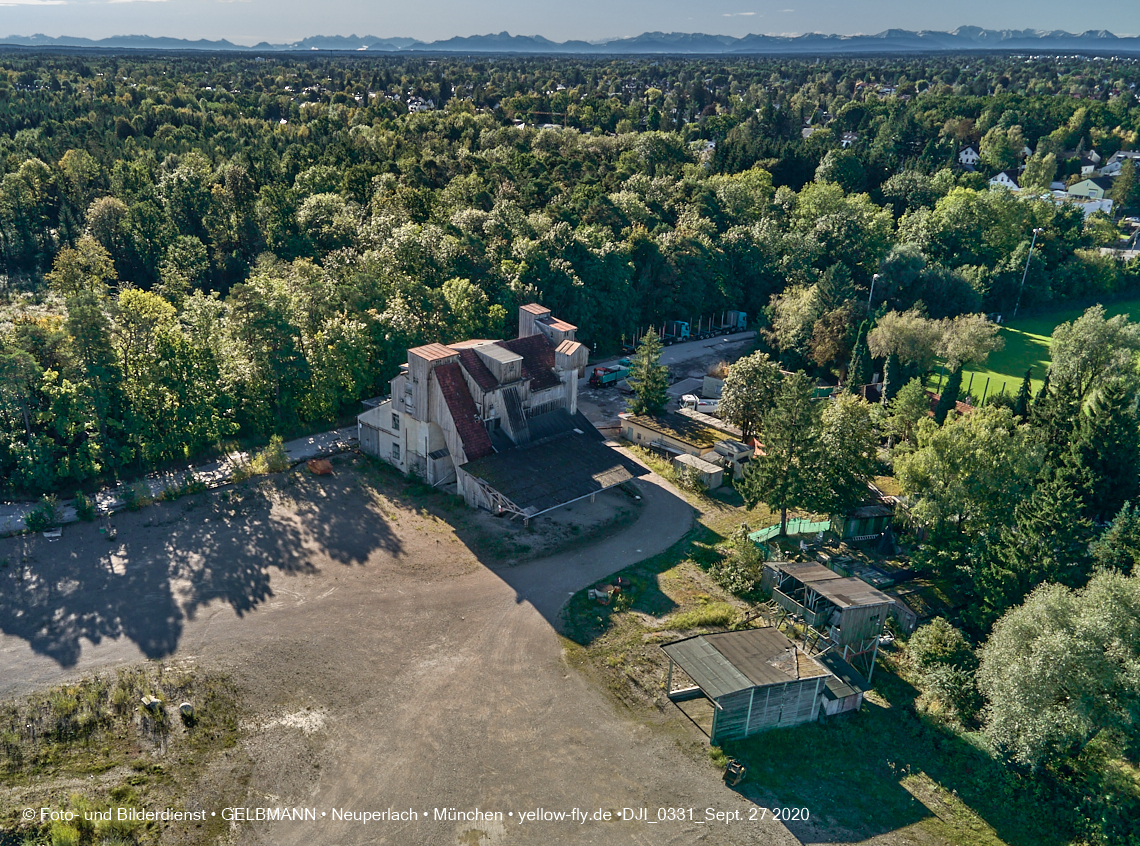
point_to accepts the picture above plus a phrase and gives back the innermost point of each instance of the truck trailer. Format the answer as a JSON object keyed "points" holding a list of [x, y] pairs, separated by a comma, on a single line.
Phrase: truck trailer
{"points": [[603, 377]]}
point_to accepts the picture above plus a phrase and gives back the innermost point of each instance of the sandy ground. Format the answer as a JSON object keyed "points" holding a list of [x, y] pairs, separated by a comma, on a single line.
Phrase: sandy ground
{"points": [[386, 664]]}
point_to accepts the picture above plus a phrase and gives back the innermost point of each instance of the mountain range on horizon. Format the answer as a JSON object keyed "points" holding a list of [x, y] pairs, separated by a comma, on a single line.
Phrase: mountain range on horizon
{"points": [[962, 39]]}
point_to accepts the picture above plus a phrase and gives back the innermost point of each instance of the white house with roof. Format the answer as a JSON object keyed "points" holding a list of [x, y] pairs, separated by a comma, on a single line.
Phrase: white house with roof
{"points": [[1005, 179], [1116, 162], [969, 156]]}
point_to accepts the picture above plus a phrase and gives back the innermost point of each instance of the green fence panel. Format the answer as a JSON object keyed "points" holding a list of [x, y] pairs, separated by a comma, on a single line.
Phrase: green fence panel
{"points": [[796, 526]]}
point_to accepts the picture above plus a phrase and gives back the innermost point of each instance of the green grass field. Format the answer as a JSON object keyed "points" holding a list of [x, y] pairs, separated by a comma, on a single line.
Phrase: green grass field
{"points": [[1027, 347]]}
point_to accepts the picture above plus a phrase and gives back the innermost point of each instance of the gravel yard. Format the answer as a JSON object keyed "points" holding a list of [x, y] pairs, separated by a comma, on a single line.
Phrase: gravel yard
{"points": [[394, 650]]}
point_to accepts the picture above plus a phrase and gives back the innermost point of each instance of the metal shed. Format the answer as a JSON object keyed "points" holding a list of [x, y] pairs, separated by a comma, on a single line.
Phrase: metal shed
{"points": [[756, 679]]}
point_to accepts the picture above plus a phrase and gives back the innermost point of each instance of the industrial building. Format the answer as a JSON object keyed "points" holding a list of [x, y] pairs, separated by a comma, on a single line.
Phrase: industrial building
{"points": [[499, 420], [757, 679]]}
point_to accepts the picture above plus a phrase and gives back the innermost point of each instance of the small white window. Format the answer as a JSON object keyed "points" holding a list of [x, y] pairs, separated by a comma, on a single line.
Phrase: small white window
{"points": [[395, 452]]}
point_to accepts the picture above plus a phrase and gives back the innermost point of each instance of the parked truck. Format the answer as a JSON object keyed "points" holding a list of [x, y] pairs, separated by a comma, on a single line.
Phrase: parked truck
{"points": [[604, 377], [674, 332], [733, 321]]}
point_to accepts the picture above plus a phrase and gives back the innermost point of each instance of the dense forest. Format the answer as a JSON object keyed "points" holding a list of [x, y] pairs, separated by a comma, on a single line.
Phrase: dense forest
{"points": [[205, 248]]}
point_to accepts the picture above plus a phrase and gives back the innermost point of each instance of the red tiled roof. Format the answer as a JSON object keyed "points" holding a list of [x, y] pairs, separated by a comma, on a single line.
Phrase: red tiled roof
{"points": [[538, 360], [478, 371], [959, 406], [476, 441]]}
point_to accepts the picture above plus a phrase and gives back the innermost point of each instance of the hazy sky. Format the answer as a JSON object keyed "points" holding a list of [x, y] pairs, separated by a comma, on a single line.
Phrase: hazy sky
{"points": [[249, 21]]}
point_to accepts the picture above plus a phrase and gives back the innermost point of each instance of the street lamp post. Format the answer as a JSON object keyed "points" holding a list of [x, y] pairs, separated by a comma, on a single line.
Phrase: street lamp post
{"points": [[870, 296], [1029, 257]]}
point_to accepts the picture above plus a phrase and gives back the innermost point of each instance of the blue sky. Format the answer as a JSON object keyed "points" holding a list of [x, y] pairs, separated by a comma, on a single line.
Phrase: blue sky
{"points": [[249, 21]]}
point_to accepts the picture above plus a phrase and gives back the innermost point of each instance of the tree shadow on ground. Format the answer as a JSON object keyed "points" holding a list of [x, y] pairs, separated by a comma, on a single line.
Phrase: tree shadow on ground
{"points": [[885, 768], [172, 558]]}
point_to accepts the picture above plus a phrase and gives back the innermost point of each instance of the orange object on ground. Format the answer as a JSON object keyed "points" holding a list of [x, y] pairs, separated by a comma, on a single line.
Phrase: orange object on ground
{"points": [[319, 466]]}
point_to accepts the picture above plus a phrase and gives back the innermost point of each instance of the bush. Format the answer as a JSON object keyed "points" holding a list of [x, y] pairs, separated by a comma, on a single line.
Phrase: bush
{"points": [[84, 507], [272, 459], [44, 516], [939, 644], [944, 664], [740, 570], [689, 479]]}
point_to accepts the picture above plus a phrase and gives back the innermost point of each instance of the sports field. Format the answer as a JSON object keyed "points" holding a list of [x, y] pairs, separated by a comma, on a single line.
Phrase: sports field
{"points": [[1027, 346]]}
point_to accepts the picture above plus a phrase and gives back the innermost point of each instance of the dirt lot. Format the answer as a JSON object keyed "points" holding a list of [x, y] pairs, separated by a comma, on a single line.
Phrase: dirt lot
{"points": [[394, 650]]}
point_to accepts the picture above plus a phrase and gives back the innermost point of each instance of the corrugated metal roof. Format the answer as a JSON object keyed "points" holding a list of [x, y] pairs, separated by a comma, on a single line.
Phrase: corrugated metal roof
{"points": [[847, 593], [538, 360], [698, 464], [498, 353], [476, 441], [478, 371], [805, 571], [729, 662], [568, 347], [557, 470], [535, 308], [713, 673]]}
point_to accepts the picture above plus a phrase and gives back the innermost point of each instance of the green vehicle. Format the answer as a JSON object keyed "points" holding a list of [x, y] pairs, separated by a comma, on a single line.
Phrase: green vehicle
{"points": [[605, 376]]}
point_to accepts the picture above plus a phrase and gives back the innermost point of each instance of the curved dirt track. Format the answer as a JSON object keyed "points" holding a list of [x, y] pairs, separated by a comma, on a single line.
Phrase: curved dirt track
{"points": [[414, 689]]}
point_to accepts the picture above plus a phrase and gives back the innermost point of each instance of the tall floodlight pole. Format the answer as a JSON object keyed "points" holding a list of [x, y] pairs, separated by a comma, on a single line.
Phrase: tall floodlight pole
{"points": [[871, 296], [1017, 305]]}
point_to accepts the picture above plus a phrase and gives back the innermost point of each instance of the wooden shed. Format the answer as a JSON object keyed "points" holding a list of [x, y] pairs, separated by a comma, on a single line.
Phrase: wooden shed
{"points": [[756, 679]]}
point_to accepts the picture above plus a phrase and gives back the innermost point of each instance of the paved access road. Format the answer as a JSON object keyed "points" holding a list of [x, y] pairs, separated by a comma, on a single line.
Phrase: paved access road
{"points": [[427, 680]]}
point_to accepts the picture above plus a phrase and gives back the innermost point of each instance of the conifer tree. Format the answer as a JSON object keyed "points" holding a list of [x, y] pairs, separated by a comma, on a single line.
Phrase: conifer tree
{"points": [[1049, 542], [787, 474], [648, 377], [1106, 446], [1119, 547], [859, 371], [949, 396], [1021, 405]]}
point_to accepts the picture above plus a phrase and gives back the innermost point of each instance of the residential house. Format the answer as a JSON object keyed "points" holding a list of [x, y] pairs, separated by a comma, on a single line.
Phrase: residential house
{"points": [[969, 156], [847, 139], [1116, 161], [1006, 179], [1094, 188]]}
